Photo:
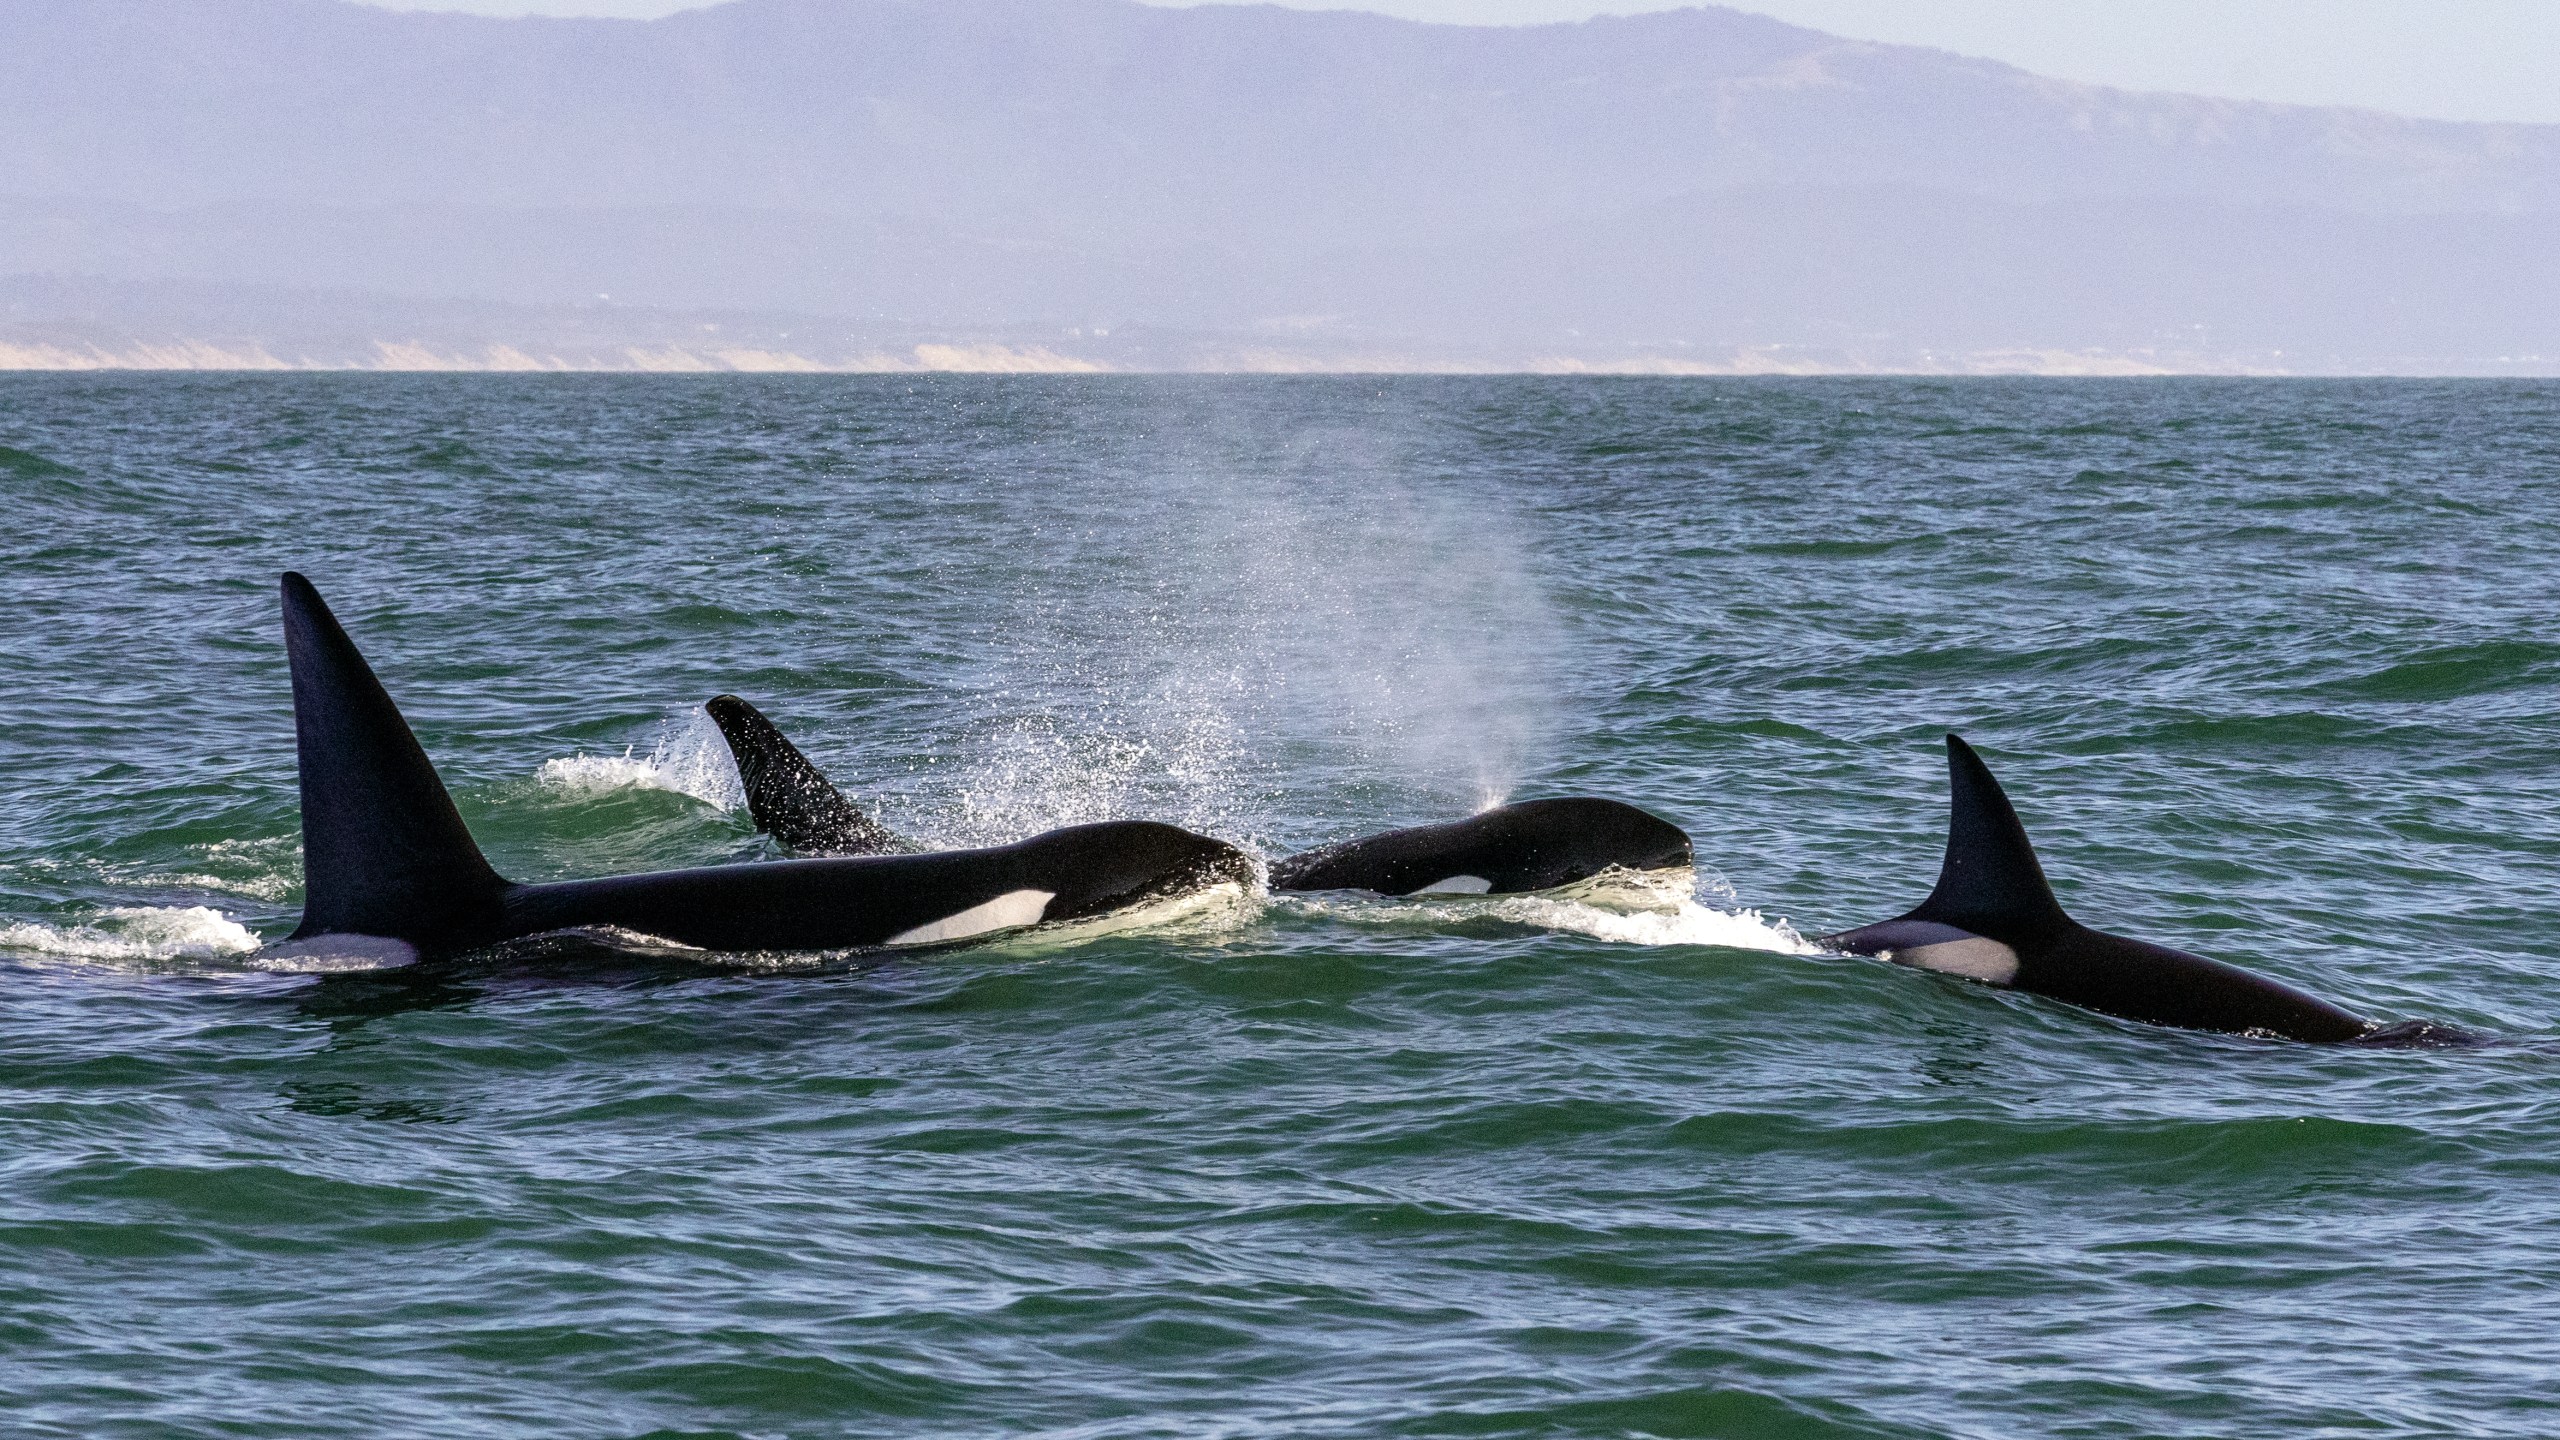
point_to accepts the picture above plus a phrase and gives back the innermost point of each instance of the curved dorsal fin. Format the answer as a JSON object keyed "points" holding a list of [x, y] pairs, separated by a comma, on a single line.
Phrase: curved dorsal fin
{"points": [[789, 798], [1990, 883], [383, 850]]}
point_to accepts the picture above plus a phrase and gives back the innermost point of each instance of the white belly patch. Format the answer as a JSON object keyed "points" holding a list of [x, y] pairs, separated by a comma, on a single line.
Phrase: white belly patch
{"points": [[1456, 885], [1972, 957], [1005, 912]]}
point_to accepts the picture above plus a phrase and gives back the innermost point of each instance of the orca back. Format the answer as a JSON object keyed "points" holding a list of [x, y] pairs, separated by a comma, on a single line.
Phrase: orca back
{"points": [[1531, 845], [853, 902], [2137, 980], [384, 852]]}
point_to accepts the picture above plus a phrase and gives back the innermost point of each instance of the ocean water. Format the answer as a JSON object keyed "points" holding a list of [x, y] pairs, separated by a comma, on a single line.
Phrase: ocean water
{"points": [[2270, 669]]}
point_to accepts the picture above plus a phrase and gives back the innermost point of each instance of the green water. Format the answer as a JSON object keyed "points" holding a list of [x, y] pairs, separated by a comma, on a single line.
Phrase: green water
{"points": [[2268, 667]]}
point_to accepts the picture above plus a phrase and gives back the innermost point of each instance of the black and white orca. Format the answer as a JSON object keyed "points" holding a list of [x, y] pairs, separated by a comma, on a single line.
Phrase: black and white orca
{"points": [[389, 868], [1533, 845], [1994, 918]]}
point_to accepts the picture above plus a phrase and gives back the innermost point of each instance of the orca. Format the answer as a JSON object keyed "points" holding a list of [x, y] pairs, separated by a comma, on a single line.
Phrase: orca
{"points": [[1993, 918], [391, 871], [1533, 845]]}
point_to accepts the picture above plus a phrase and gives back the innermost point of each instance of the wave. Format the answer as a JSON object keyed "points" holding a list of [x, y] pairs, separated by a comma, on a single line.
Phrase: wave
{"points": [[27, 465], [1204, 915], [137, 932], [190, 937], [1624, 907], [688, 758], [1688, 923], [255, 887], [268, 869]]}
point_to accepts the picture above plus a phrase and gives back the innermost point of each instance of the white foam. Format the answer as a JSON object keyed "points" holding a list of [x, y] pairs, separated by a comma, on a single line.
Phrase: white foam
{"points": [[585, 776], [1203, 914], [137, 932], [1653, 907], [1624, 907], [688, 758], [1687, 923]]}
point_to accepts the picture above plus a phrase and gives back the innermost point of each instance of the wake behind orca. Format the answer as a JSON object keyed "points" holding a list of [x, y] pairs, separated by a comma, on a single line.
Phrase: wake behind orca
{"points": [[390, 869], [1531, 845], [1993, 918]]}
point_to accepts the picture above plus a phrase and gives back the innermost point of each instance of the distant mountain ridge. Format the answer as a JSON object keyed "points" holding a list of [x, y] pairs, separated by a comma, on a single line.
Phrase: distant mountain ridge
{"points": [[1685, 182]]}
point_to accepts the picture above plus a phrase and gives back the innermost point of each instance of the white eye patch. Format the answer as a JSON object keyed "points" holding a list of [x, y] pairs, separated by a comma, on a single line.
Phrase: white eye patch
{"points": [[1457, 885], [1006, 911]]}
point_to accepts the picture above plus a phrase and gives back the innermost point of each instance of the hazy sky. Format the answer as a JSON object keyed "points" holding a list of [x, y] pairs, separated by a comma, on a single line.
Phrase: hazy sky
{"points": [[2452, 59]]}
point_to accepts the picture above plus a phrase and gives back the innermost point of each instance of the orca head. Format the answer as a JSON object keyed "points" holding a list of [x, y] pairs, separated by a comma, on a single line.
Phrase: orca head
{"points": [[1538, 844], [1596, 831], [1099, 868], [1656, 843]]}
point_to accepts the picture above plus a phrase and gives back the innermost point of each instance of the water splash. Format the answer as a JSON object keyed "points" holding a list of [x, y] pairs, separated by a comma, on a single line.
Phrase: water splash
{"points": [[1690, 922], [1201, 916], [1238, 622], [1625, 907], [1173, 761], [688, 757], [136, 932]]}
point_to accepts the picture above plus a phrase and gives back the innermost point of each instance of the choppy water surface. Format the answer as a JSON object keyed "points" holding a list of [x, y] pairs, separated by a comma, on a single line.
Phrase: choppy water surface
{"points": [[2270, 668]]}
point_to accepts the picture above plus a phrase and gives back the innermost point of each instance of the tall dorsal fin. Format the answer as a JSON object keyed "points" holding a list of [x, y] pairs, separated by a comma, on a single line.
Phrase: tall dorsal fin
{"points": [[789, 798], [383, 850], [1990, 883]]}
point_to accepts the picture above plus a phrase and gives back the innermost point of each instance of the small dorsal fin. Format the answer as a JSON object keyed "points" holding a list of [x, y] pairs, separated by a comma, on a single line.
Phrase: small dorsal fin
{"points": [[383, 850], [1990, 883], [789, 798]]}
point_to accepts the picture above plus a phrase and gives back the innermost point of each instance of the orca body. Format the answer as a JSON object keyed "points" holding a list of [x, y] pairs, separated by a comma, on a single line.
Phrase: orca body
{"points": [[390, 869], [1533, 845], [1993, 918], [790, 798]]}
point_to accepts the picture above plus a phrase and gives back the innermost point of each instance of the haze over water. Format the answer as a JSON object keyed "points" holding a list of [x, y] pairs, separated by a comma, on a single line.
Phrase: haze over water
{"points": [[2267, 666]]}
